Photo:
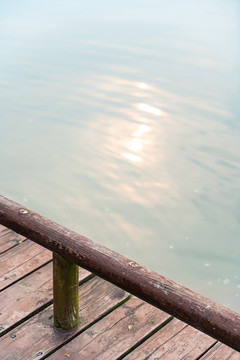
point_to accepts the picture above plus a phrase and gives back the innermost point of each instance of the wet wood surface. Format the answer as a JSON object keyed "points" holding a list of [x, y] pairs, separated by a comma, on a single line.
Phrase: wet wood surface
{"points": [[113, 324]]}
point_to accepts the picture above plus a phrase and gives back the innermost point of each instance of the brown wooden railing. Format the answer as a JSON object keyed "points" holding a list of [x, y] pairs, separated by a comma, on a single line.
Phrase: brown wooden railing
{"points": [[70, 248]]}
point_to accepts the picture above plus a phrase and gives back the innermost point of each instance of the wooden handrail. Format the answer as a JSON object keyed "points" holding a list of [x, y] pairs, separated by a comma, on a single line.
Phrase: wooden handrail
{"points": [[205, 315]]}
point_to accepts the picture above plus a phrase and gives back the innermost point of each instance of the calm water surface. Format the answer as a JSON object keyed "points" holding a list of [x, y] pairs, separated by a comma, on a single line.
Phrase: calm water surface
{"points": [[121, 121]]}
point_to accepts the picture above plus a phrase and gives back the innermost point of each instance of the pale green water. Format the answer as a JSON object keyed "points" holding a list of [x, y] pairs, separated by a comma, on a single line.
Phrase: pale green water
{"points": [[121, 121]]}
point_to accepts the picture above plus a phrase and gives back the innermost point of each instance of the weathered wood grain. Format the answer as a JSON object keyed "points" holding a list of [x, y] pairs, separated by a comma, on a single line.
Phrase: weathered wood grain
{"points": [[35, 338], [190, 307], [148, 349], [9, 238], [221, 352], [112, 336], [27, 296], [20, 260], [187, 344]]}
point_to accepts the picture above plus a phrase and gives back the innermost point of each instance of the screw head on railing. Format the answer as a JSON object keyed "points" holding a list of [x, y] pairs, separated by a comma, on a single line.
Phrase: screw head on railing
{"points": [[133, 264], [23, 211]]}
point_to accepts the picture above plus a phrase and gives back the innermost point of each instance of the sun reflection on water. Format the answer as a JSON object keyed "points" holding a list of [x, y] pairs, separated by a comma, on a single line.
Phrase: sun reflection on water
{"points": [[150, 109], [132, 157], [129, 126], [143, 86], [137, 143]]}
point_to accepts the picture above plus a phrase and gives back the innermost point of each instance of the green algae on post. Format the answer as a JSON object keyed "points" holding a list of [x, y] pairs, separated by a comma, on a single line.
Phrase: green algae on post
{"points": [[65, 293]]}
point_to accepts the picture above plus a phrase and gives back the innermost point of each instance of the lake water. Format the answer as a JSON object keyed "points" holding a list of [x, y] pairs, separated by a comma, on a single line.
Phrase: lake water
{"points": [[121, 120]]}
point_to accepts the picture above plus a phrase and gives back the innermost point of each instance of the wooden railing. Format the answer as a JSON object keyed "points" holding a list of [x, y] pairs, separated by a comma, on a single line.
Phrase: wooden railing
{"points": [[71, 249]]}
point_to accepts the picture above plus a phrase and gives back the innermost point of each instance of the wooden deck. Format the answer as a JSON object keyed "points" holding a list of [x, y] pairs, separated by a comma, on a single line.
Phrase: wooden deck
{"points": [[113, 324]]}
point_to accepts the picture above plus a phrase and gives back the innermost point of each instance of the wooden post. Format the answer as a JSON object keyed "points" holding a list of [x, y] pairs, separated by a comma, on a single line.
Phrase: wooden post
{"points": [[65, 292]]}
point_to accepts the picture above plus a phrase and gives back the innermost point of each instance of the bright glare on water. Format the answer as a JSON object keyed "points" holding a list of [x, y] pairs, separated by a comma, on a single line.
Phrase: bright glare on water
{"points": [[120, 120]]}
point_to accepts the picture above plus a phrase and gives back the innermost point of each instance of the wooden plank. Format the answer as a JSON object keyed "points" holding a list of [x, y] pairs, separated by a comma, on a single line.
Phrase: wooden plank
{"points": [[27, 296], [35, 338], [203, 314], [21, 260], [112, 336], [221, 352], [9, 238], [186, 342], [151, 345]]}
